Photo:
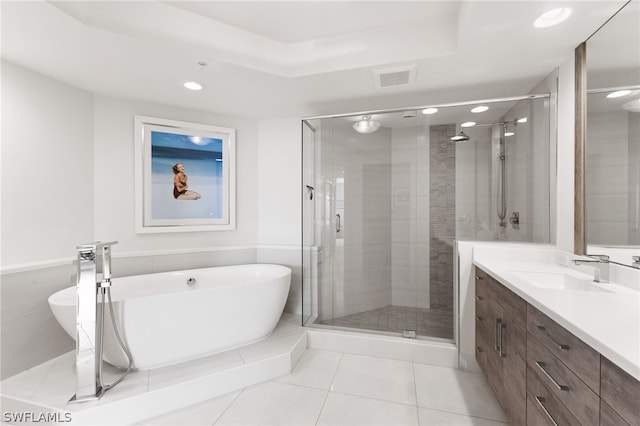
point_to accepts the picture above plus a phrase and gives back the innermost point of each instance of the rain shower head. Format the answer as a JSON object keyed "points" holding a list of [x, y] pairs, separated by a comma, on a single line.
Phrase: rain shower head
{"points": [[461, 137]]}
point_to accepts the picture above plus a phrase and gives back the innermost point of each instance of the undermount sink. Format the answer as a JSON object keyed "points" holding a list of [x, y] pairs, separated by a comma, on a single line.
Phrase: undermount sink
{"points": [[558, 281]]}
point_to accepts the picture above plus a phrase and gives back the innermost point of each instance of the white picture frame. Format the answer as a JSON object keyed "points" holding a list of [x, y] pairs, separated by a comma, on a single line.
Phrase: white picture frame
{"points": [[184, 177]]}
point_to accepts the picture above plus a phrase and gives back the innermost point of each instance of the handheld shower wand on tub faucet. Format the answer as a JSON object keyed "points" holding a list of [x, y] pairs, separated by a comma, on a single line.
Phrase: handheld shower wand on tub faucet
{"points": [[90, 320], [600, 265]]}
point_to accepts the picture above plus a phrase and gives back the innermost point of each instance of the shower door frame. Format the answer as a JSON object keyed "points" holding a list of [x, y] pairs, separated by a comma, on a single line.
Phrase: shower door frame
{"points": [[456, 260]]}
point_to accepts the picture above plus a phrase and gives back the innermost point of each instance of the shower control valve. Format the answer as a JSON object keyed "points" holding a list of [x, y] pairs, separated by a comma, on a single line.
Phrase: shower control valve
{"points": [[515, 220]]}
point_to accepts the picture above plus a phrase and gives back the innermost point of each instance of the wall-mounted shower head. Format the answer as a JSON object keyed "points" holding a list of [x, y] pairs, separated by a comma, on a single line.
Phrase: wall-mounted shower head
{"points": [[461, 137]]}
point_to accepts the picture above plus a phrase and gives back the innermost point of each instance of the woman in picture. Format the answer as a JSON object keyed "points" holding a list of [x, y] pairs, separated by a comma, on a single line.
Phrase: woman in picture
{"points": [[180, 187]]}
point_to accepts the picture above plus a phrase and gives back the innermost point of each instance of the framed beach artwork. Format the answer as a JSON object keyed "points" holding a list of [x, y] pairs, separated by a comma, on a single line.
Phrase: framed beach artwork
{"points": [[185, 176]]}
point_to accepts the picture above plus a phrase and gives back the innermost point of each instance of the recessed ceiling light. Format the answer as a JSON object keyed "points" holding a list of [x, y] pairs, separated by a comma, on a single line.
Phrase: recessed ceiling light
{"points": [[480, 108], [430, 110], [468, 124], [552, 17], [618, 94], [522, 120], [192, 85], [509, 133]]}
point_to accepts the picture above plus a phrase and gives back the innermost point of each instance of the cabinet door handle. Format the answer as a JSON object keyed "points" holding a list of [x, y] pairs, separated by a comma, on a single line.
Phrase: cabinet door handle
{"points": [[479, 318], [540, 400], [478, 277], [562, 346], [503, 327], [558, 386], [479, 298], [497, 347]]}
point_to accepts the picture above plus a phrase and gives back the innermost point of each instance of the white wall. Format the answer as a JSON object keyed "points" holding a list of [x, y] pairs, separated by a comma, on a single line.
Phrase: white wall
{"points": [[47, 206], [277, 180], [47, 167], [114, 178]]}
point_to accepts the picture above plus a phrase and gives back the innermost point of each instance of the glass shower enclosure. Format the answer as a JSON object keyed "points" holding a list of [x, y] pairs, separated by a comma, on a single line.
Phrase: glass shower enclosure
{"points": [[387, 193]]}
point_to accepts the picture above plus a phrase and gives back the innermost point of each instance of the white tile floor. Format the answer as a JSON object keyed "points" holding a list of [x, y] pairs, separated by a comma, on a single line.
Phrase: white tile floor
{"points": [[333, 388]]}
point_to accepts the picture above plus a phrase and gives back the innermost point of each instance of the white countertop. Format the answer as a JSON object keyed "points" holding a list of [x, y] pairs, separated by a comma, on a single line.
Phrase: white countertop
{"points": [[607, 320]]}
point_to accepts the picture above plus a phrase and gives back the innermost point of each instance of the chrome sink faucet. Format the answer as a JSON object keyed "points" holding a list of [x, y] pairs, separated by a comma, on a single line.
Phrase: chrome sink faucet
{"points": [[600, 265]]}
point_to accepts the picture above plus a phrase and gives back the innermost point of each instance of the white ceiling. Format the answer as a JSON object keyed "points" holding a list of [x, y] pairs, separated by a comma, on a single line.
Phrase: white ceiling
{"points": [[268, 59]]}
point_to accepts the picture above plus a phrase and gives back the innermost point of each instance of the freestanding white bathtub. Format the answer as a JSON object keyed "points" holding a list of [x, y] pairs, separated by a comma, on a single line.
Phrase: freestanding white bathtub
{"points": [[164, 320]]}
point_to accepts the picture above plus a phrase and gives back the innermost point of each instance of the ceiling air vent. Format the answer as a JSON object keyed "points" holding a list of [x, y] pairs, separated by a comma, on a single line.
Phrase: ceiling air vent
{"points": [[391, 77]]}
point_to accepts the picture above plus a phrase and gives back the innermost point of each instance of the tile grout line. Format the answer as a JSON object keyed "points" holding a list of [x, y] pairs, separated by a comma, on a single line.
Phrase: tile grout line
{"points": [[415, 390], [329, 390], [44, 378], [228, 406]]}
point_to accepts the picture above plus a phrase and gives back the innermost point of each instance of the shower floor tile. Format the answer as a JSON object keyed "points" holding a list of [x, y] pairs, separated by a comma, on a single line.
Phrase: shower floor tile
{"points": [[396, 319]]}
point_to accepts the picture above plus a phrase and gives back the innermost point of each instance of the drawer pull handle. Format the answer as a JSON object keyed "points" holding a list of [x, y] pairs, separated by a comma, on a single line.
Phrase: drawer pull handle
{"points": [[540, 400], [501, 330], [479, 297], [478, 277], [558, 386], [479, 318], [562, 346]]}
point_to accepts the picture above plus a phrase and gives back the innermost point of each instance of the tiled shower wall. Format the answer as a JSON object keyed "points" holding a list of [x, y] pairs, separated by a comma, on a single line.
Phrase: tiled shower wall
{"points": [[611, 178], [442, 213], [410, 216]]}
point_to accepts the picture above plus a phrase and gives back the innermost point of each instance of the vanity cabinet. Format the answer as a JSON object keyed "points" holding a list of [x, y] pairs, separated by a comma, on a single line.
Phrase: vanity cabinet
{"points": [[501, 343], [540, 372], [620, 396]]}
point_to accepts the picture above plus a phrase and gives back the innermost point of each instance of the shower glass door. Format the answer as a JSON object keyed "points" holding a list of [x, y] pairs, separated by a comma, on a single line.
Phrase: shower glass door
{"points": [[389, 204]]}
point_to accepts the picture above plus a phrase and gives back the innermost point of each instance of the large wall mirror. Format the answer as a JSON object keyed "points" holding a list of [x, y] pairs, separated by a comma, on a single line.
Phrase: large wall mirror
{"points": [[612, 138]]}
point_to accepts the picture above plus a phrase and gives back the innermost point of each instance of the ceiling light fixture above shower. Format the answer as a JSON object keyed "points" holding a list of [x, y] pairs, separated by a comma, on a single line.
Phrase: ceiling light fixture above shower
{"points": [[460, 137], [633, 106], [428, 111], [366, 125]]}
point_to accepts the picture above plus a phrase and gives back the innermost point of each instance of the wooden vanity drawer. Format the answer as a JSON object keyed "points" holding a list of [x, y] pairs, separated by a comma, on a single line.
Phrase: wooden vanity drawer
{"points": [[621, 392], [575, 395], [543, 408], [512, 304], [583, 360], [484, 286], [609, 417]]}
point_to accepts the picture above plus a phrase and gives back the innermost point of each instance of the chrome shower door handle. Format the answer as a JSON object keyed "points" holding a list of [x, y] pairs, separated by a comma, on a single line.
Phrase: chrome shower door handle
{"points": [[338, 223]]}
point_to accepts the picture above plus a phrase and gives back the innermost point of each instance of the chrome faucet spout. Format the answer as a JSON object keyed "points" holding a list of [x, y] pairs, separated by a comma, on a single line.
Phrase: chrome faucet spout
{"points": [[93, 259], [600, 266]]}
